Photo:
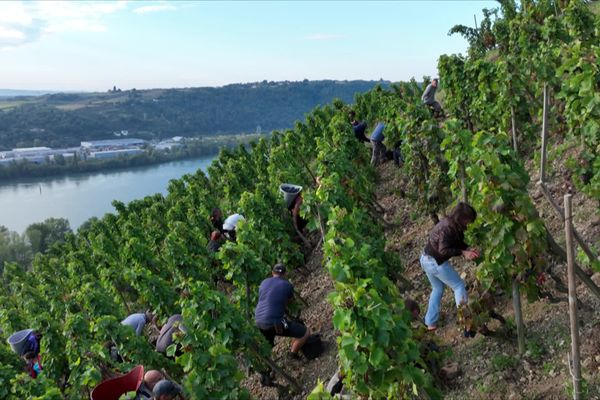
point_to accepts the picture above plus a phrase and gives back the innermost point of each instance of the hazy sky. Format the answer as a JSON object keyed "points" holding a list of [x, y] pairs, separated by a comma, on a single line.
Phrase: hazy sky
{"points": [[79, 45]]}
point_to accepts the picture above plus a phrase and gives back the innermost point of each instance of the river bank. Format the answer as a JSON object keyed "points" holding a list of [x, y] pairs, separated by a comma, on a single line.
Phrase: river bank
{"points": [[80, 196], [59, 166]]}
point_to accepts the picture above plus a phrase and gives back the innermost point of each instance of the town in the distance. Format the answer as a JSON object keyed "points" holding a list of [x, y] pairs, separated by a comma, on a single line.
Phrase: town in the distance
{"points": [[90, 149]]}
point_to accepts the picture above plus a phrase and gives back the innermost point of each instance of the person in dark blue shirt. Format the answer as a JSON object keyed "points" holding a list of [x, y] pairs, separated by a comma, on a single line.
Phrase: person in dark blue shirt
{"points": [[359, 128], [33, 343], [274, 294]]}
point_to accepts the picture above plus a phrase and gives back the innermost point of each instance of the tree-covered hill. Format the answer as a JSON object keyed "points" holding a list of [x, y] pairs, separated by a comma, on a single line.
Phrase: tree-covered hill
{"points": [[64, 119]]}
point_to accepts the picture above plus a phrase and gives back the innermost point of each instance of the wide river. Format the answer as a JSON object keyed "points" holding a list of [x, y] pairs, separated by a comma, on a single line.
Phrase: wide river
{"points": [[78, 197]]}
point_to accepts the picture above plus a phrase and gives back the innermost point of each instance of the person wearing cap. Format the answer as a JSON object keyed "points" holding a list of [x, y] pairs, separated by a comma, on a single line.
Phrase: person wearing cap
{"points": [[230, 224], [138, 321], [165, 338], [274, 294], [166, 390], [378, 147], [428, 97], [359, 128]]}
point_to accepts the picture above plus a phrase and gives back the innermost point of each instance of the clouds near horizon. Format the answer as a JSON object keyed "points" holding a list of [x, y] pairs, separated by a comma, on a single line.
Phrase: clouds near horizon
{"points": [[95, 45], [22, 22], [163, 6]]}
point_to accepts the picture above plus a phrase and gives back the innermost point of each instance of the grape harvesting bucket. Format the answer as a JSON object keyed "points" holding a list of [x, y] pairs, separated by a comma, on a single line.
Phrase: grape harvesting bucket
{"points": [[290, 192], [18, 340], [114, 388]]}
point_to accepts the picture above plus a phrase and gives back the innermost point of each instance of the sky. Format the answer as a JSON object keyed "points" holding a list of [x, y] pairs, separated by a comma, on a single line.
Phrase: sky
{"points": [[91, 46]]}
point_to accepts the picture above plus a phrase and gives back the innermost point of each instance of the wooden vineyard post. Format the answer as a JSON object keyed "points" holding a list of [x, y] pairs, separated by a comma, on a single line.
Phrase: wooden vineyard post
{"points": [[247, 292], [574, 361], [516, 297], [267, 360], [542, 183], [562, 254], [463, 182], [560, 213], [514, 129], [544, 135]]}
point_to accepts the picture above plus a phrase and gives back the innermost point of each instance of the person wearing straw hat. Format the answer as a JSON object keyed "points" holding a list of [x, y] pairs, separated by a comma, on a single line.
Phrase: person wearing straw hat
{"points": [[274, 294]]}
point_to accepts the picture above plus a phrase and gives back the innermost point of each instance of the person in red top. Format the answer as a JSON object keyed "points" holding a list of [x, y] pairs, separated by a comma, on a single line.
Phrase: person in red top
{"points": [[294, 208], [34, 364], [215, 242]]}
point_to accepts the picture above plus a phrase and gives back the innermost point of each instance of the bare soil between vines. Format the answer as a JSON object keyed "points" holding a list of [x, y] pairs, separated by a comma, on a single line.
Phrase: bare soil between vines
{"points": [[489, 367], [313, 284]]}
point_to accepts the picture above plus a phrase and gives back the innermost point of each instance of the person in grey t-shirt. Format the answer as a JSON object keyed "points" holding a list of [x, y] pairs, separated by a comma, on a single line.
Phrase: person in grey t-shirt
{"points": [[173, 326], [428, 97], [138, 321]]}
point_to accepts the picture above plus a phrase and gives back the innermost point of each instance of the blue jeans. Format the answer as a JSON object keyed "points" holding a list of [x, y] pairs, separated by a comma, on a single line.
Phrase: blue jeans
{"points": [[439, 276]]}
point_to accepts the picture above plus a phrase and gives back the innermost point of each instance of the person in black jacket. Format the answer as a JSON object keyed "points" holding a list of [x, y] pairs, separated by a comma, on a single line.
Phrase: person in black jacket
{"points": [[359, 128], [216, 219], [446, 240]]}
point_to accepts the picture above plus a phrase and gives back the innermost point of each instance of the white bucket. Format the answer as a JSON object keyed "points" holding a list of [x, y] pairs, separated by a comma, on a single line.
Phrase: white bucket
{"points": [[290, 192], [18, 340]]}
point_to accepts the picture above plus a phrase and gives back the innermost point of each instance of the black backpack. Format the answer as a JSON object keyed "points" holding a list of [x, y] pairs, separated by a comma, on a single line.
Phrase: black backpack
{"points": [[313, 347]]}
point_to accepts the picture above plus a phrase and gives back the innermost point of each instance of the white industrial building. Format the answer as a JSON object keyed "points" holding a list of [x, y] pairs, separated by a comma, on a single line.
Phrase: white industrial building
{"points": [[111, 144], [103, 155], [31, 151], [36, 155], [93, 149]]}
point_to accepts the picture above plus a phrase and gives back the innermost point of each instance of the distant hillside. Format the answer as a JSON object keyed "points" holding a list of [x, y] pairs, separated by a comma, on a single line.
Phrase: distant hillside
{"points": [[64, 119], [18, 92]]}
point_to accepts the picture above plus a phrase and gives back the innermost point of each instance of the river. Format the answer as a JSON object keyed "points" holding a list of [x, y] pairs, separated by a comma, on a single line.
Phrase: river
{"points": [[78, 197]]}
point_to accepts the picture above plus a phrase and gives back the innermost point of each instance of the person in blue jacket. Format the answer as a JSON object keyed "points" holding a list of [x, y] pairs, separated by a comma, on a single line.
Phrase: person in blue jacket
{"points": [[378, 147]]}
